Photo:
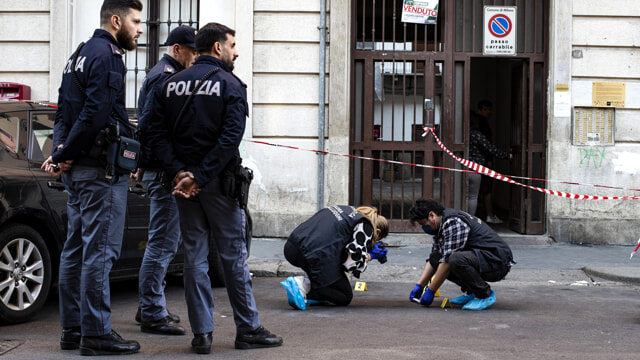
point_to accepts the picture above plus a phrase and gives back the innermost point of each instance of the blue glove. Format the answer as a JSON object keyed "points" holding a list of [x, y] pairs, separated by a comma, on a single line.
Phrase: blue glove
{"points": [[416, 292], [378, 252], [427, 297]]}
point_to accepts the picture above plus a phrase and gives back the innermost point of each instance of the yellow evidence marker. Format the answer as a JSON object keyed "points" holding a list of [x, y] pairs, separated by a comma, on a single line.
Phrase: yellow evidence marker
{"points": [[361, 286], [446, 301]]}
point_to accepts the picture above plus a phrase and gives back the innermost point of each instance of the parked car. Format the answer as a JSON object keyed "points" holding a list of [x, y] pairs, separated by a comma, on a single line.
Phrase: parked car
{"points": [[33, 216]]}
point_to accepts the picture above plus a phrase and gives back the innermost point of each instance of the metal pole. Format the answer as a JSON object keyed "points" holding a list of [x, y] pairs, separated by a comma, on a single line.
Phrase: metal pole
{"points": [[321, 124]]}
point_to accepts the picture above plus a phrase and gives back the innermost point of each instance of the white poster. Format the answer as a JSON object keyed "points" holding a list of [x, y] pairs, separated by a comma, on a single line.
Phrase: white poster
{"points": [[420, 12], [562, 104]]}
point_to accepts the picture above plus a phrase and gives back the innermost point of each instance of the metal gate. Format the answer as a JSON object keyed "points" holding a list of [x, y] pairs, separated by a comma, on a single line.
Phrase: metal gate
{"points": [[405, 76], [159, 18]]}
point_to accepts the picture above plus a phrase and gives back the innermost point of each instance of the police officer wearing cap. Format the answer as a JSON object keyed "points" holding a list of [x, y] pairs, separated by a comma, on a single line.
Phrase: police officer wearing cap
{"points": [[196, 149], [92, 97], [164, 226]]}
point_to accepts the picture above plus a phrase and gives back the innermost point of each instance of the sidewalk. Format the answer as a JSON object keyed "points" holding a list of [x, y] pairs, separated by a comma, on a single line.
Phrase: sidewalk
{"points": [[537, 260]]}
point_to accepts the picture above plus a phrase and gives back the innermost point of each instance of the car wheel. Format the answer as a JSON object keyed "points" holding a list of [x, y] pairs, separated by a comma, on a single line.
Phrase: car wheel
{"points": [[216, 272], [25, 273]]}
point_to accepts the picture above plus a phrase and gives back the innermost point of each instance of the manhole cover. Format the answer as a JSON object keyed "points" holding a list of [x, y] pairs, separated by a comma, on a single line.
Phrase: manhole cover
{"points": [[7, 345]]}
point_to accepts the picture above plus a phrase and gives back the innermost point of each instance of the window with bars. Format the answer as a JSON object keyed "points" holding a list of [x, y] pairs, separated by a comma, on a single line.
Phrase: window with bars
{"points": [[159, 17]]}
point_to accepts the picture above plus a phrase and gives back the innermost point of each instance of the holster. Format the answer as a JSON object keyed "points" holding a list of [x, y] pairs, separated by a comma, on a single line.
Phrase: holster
{"points": [[235, 181], [164, 180]]}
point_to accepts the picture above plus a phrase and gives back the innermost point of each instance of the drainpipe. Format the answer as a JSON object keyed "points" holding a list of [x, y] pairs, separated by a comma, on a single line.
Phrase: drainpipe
{"points": [[321, 76]]}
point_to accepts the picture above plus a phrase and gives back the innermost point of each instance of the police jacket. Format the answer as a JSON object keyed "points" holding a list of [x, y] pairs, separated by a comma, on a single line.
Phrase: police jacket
{"points": [[322, 240], [166, 67], [82, 114], [493, 253], [207, 137]]}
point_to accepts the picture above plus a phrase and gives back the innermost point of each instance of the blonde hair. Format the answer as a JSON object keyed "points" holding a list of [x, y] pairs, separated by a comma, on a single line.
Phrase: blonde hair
{"points": [[379, 222]]}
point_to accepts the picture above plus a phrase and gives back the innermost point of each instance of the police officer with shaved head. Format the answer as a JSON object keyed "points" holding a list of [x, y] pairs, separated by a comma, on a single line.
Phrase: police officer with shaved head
{"points": [[198, 123]]}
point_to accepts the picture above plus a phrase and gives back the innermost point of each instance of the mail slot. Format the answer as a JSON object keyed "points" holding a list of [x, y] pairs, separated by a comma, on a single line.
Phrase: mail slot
{"points": [[15, 91]]}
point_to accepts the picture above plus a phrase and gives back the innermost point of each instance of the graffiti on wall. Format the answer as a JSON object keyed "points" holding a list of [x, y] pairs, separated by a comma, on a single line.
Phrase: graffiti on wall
{"points": [[592, 156]]}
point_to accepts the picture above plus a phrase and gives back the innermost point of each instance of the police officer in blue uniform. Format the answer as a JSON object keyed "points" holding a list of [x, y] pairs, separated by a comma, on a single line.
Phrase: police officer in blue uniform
{"points": [[164, 226], [196, 148], [92, 97], [465, 251]]}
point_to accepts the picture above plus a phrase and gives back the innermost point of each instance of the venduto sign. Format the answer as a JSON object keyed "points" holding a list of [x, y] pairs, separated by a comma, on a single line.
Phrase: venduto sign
{"points": [[420, 12]]}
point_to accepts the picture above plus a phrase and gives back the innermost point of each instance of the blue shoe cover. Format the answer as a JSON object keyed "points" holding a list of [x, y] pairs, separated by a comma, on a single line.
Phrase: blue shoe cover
{"points": [[294, 297], [481, 304], [317, 302], [462, 299]]}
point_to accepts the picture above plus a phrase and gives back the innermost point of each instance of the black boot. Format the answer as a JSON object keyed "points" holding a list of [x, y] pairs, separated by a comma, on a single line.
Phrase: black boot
{"points": [[164, 326], [175, 318], [70, 339], [258, 338], [109, 344], [201, 343]]}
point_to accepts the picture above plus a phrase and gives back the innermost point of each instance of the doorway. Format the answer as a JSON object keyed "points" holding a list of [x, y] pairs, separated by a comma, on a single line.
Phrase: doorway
{"points": [[406, 76]]}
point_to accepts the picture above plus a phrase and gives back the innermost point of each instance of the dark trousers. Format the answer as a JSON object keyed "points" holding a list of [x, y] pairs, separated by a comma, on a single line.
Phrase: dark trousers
{"points": [[464, 270], [338, 292]]}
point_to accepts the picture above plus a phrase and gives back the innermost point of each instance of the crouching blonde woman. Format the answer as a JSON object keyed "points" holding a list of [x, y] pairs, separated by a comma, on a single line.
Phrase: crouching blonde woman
{"points": [[335, 240]]}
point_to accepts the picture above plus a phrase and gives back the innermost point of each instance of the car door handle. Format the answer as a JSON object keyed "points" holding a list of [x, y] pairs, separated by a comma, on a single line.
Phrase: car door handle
{"points": [[55, 185]]}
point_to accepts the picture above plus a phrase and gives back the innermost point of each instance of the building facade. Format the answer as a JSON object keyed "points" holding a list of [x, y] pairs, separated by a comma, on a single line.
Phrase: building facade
{"points": [[565, 104]]}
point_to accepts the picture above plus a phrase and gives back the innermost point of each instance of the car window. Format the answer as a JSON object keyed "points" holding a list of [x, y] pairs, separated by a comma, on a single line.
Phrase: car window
{"points": [[41, 136], [9, 132]]}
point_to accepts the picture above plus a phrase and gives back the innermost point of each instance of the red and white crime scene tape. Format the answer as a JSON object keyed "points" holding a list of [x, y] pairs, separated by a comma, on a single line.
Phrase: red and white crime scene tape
{"points": [[477, 168], [486, 171]]}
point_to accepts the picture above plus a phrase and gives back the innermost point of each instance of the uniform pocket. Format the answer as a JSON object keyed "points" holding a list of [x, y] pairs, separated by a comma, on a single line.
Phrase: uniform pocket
{"points": [[116, 82]]}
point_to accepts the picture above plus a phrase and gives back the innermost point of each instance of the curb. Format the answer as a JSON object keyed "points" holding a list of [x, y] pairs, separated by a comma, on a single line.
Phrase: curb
{"points": [[630, 275]]}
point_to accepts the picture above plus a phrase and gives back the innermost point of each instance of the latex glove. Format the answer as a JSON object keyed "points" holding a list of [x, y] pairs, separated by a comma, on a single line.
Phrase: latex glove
{"points": [[378, 252], [427, 297], [416, 292]]}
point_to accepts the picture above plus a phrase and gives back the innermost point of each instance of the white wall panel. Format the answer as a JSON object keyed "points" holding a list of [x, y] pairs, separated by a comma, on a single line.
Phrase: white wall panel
{"points": [[286, 58], [25, 5], [287, 27], [288, 5], [606, 31], [627, 125], [607, 63], [24, 27], [606, 7], [285, 120], [285, 89], [32, 57]]}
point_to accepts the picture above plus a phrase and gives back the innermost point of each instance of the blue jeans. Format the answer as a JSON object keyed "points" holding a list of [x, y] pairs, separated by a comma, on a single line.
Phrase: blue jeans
{"points": [[96, 213], [164, 239], [213, 215]]}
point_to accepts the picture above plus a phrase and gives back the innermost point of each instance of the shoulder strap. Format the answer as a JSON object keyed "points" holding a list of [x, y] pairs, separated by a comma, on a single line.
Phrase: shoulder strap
{"points": [[73, 69], [186, 103]]}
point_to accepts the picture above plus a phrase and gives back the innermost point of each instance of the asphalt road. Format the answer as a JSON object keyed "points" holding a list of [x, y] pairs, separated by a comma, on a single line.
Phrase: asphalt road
{"points": [[539, 314]]}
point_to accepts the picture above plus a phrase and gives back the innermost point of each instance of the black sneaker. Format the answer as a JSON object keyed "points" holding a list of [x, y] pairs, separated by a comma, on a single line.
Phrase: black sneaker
{"points": [[164, 326], [109, 344], [258, 338], [201, 343], [175, 318], [70, 339]]}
